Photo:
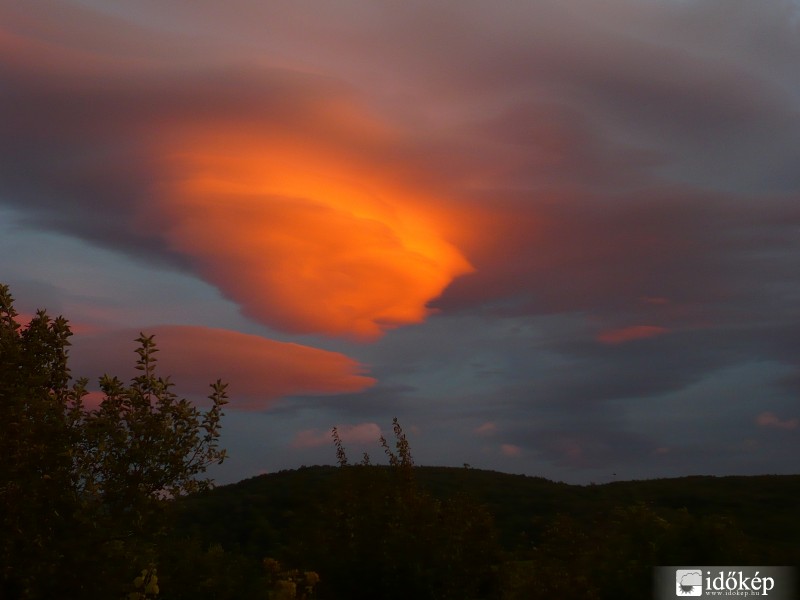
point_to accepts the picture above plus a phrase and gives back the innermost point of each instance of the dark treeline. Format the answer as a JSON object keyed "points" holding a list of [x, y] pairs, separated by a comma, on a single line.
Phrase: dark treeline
{"points": [[466, 533]]}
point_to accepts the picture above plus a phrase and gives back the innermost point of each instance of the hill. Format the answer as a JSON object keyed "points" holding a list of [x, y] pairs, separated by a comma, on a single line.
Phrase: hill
{"points": [[537, 527], [766, 507]]}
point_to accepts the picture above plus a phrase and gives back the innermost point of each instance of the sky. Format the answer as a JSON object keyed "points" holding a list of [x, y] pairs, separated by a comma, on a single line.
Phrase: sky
{"points": [[558, 238]]}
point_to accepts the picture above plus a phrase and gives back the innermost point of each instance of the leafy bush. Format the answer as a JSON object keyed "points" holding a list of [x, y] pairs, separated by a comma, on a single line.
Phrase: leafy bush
{"points": [[82, 491]]}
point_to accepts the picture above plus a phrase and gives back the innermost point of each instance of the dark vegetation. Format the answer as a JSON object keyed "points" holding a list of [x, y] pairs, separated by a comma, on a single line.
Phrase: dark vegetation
{"points": [[110, 503], [85, 494], [541, 539]]}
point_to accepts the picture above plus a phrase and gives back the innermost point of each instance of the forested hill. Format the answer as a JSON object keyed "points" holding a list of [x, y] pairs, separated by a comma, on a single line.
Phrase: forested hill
{"points": [[531, 526], [765, 506]]}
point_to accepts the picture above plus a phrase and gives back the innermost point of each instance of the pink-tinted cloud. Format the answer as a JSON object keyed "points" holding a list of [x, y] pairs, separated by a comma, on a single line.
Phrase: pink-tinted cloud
{"points": [[629, 334], [769, 419], [360, 434], [571, 449], [24, 318], [76, 327], [486, 429], [93, 399], [259, 371], [511, 450]]}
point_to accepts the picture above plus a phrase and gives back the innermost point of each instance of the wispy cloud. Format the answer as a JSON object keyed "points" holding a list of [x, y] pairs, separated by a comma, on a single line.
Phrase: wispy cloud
{"points": [[511, 450], [629, 334], [359, 434], [769, 419], [486, 429]]}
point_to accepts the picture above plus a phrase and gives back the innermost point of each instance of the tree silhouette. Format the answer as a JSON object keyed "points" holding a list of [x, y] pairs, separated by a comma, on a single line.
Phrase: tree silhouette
{"points": [[82, 491]]}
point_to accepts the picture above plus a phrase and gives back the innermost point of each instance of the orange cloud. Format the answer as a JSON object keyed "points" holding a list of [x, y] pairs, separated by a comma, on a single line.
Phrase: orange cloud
{"points": [[362, 433], [258, 370], [629, 334], [276, 186], [306, 235], [769, 419]]}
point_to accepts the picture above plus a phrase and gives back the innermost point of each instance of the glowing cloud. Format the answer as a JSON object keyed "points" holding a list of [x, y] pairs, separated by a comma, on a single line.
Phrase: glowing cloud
{"points": [[259, 371], [629, 334], [305, 238], [275, 185]]}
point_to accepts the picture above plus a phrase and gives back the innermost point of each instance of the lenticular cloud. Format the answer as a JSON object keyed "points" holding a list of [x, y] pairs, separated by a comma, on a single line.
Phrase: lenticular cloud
{"points": [[260, 371], [306, 242]]}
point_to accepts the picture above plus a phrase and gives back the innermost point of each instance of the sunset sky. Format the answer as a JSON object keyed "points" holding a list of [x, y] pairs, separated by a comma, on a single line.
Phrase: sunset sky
{"points": [[552, 237]]}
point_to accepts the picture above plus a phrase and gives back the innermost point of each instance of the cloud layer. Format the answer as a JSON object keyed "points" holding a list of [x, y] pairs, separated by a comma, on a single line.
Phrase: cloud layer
{"points": [[577, 221], [259, 371], [275, 186]]}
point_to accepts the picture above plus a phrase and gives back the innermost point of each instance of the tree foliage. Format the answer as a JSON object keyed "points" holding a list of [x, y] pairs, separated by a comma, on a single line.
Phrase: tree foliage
{"points": [[82, 490], [383, 536]]}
